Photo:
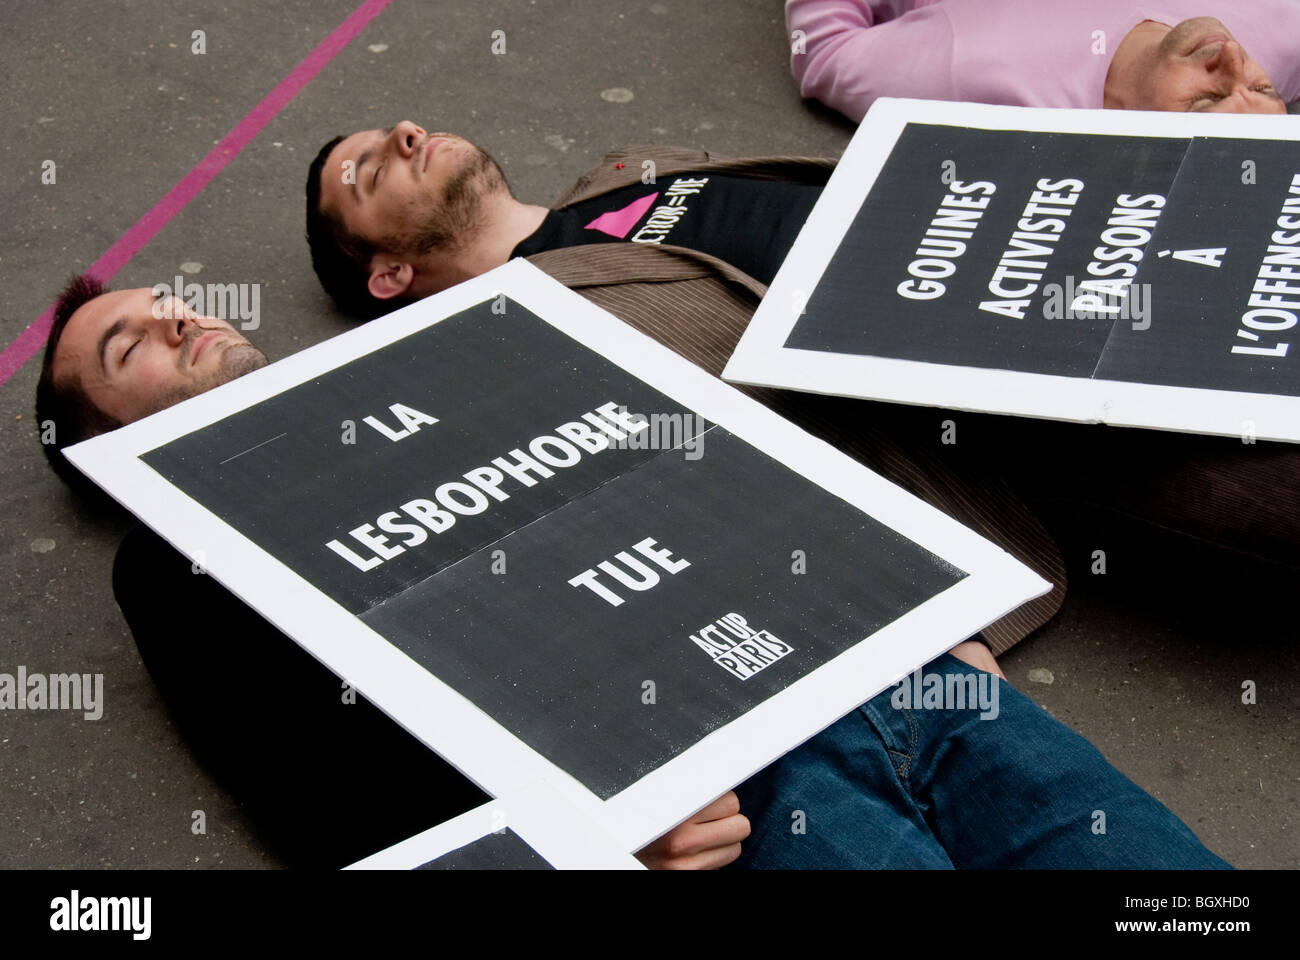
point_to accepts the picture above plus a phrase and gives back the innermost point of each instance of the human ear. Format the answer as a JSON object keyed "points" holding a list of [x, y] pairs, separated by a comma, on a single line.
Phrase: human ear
{"points": [[389, 278]]}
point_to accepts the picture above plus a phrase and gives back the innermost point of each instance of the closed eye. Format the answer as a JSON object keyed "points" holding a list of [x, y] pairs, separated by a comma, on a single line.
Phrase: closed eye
{"points": [[128, 351], [1205, 102]]}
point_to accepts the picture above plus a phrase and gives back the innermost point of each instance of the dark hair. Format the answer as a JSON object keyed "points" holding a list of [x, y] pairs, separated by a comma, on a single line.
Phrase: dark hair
{"points": [[63, 411], [1293, 107], [340, 258]]}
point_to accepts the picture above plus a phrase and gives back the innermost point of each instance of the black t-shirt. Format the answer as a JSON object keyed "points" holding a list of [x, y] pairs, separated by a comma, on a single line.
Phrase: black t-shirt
{"points": [[750, 224]]}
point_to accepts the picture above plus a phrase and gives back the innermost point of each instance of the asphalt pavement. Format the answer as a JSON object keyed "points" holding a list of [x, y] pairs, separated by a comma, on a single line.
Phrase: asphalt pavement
{"points": [[1147, 660]]}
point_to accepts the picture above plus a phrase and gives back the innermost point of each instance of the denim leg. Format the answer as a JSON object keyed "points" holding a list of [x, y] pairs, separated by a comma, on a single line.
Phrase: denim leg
{"points": [[1023, 790], [836, 802]]}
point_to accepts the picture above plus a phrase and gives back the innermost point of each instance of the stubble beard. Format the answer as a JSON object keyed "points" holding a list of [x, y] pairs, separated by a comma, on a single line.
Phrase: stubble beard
{"points": [[237, 359], [1181, 34], [451, 222]]}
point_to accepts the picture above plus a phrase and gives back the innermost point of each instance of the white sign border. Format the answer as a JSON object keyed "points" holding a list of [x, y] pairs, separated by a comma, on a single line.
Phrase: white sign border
{"points": [[762, 359], [537, 812], [464, 735]]}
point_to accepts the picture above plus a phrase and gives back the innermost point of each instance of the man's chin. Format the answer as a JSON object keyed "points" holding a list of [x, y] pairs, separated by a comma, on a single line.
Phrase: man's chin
{"points": [[239, 359], [1183, 38]]}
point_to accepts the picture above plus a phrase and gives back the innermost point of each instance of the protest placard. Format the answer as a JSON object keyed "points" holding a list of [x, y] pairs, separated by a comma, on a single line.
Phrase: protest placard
{"points": [[1130, 268], [553, 549]]}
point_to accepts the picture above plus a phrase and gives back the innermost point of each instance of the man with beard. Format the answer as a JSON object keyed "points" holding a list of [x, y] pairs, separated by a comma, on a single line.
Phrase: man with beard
{"points": [[332, 779], [116, 356], [1048, 53]]}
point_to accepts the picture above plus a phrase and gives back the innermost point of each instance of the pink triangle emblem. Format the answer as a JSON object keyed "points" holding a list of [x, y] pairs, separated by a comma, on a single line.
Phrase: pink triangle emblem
{"points": [[618, 223]]}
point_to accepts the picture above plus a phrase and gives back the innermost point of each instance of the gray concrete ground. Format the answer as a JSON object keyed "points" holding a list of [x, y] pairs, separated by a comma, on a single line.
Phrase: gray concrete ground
{"points": [[1147, 661]]}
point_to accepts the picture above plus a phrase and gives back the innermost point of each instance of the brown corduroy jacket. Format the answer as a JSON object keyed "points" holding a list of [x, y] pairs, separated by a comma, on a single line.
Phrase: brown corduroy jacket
{"points": [[698, 306]]}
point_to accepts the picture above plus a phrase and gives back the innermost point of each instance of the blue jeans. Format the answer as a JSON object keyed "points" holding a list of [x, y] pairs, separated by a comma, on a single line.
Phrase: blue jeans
{"points": [[908, 787]]}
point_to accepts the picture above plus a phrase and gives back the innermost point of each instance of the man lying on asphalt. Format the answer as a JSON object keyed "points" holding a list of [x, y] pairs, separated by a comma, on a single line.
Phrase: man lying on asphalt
{"points": [[889, 785]]}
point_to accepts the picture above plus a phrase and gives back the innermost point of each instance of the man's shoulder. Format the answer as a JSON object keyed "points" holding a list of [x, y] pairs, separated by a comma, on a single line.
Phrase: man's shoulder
{"points": [[140, 553], [155, 585], [622, 168]]}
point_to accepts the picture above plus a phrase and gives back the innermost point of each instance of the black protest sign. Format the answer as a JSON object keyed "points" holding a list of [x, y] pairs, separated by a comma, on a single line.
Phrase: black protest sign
{"points": [[552, 549], [1130, 253]]}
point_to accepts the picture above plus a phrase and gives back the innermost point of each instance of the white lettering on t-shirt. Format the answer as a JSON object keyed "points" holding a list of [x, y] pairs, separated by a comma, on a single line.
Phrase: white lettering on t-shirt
{"points": [[665, 216]]}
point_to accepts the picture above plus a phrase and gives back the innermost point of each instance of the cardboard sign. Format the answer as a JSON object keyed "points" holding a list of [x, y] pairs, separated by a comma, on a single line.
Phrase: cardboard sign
{"points": [[1137, 269], [553, 549], [533, 828]]}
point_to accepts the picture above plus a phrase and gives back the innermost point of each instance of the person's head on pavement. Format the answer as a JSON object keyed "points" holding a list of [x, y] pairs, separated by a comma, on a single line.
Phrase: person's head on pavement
{"points": [[1196, 65], [394, 215], [115, 356]]}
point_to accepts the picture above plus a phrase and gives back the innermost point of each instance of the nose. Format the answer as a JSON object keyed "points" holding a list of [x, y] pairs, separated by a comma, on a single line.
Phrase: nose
{"points": [[173, 322], [405, 137], [1229, 62]]}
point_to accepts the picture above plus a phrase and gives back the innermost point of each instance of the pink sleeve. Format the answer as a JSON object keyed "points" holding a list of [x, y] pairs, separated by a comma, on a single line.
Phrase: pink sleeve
{"points": [[849, 58]]}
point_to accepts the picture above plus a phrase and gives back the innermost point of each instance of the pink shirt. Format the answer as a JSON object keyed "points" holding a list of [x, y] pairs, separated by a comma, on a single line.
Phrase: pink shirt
{"points": [[1034, 53]]}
